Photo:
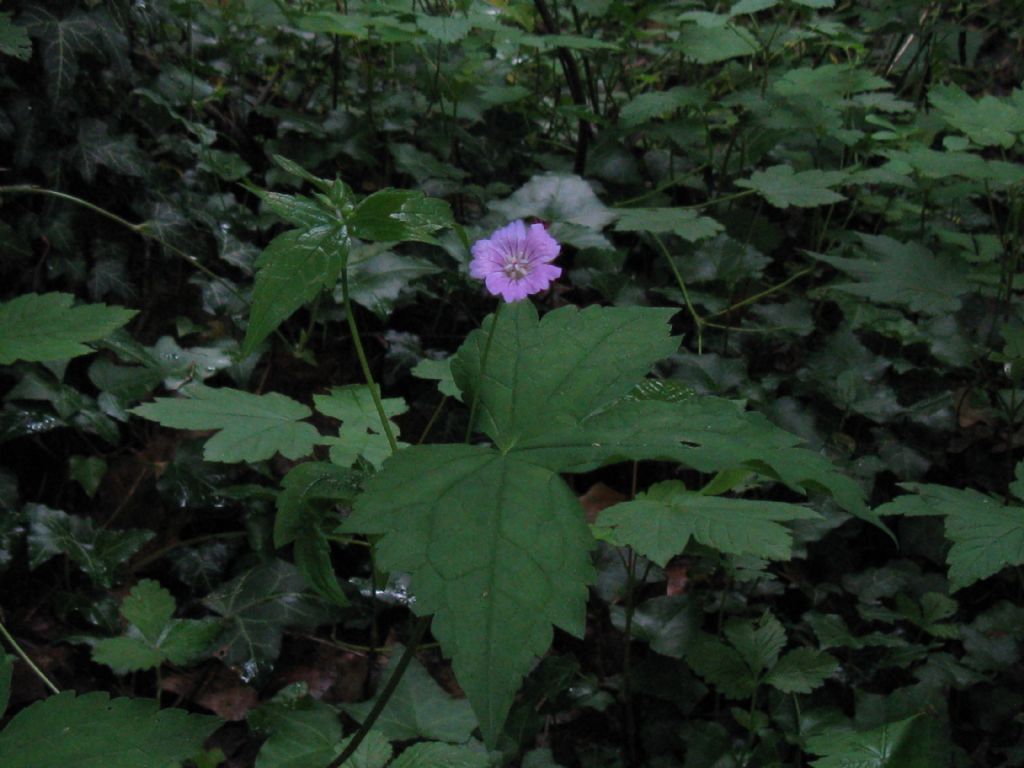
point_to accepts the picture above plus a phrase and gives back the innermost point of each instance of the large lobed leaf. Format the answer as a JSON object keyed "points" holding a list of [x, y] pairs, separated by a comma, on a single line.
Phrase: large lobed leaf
{"points": [[493, 537], [153, 635], [782, 186], [93, 731], [659, 523], [550, 374], [252, 427], [257, 606], [98, 552], [40, 327], [419, 708], [987, 536], [905, 274], [498, 551]]}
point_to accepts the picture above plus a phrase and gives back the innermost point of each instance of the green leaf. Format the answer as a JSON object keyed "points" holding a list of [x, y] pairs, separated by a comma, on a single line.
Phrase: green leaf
{"points": [[6, 667], [802, 670], [251, 427], [751, 6], [904, 274], [668, 623], [397, 215], [42, 327], [889, 746], [492, 537], [361, 433], [782, 186], [88, 472], [290, 166], [293, 269], [989, 121], [549, 374], [987, 536], [125, 655], [647, 106], [305, 484], [707, 433], [444, 29], [720, 665], [758, 644], [94, 731], [13, 39], [712, 44], [63, 40], [154, 635], [434, 755], [312, 553], [441, 372], [660, 523], [418, 709], [563, 199], [258, 606], [377, 279], [303, 732], [149, 607], [685, 223], [97, 552], [498, 552]]}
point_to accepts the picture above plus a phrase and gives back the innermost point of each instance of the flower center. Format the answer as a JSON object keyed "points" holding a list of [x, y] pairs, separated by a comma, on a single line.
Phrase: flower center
{"points": [[516, 266]]}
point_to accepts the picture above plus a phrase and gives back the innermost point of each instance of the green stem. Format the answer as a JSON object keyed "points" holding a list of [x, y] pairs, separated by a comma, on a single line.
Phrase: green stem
{"points": [[24, 657], [483, 369], [152, 558], [433, 419], [697, 319], [758, 296], [140, 229], [384, 696], [367, 375]]}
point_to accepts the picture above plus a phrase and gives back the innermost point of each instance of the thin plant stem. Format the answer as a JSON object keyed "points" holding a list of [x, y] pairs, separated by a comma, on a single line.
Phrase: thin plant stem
{"points": [[433, 418], [152, 558], [385, 694], [697, 319], [24, 657], [758, 296], [141, 229], [483, 369], [361, 354], [627, 661]]}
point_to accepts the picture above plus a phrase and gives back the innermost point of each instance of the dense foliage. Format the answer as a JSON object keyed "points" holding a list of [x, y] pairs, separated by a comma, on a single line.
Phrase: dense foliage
{"points": [[743, 488]]}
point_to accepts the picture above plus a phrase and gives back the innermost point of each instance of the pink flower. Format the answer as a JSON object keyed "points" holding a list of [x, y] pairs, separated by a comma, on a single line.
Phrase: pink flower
{"points": [[516, 261]]}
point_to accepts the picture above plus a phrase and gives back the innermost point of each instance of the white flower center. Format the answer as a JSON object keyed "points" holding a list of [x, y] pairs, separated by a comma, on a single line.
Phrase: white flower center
{"points": [[517, 266]]}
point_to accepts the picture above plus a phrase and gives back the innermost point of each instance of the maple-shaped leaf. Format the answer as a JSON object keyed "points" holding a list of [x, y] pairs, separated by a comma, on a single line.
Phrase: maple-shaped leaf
{"points": [[41, 327], [153, 635], [684, 223], [493, 537], [95, 731], [498, 552], [905, 274], [547, 375], [361, 433], [801, 671], [989, 121], [419, 708], [659, 523], [987, 536], [782, 186], [251, 427], [892, 745]]}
